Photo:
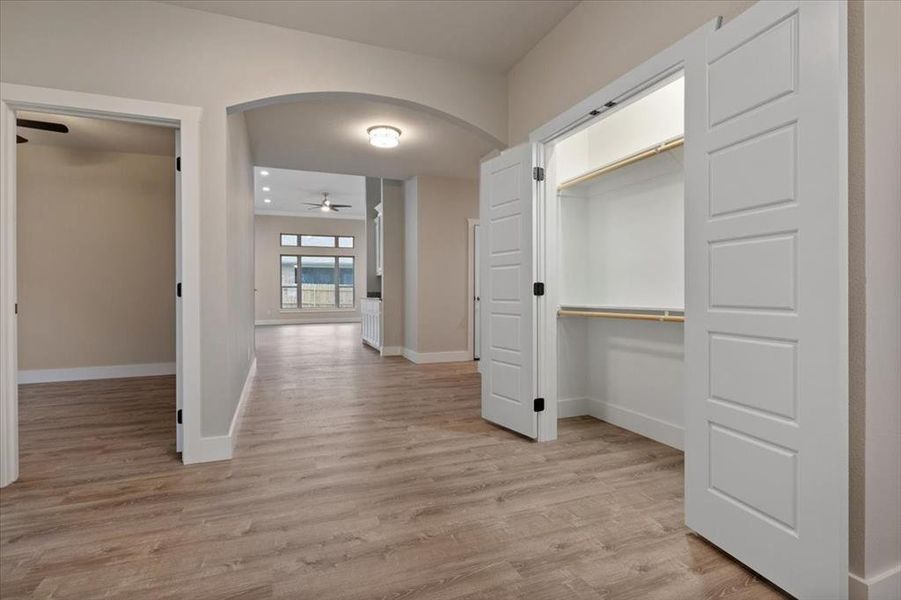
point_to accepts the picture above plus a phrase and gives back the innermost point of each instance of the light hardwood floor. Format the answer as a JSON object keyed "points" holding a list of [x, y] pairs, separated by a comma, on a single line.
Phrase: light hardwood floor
{"points": [[354, 477]]}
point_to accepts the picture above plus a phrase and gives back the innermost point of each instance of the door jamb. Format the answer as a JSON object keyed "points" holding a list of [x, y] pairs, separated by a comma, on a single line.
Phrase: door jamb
{"points": [[187, 119], [471, 266], [642, 77]]}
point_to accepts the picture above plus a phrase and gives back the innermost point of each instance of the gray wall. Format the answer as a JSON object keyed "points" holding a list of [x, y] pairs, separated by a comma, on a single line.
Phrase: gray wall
{"points": [[393, 264]]}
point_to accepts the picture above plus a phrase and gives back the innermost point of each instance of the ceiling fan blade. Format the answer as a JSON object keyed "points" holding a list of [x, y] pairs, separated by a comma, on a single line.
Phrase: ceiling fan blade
{"points": [[341, 205], [42, 125], [20, 139], [311, 204], [333, 209]]}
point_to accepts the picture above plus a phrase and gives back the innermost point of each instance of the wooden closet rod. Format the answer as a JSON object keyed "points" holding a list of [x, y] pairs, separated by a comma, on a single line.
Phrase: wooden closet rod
{"points": [[664, 318], [623, 162]]}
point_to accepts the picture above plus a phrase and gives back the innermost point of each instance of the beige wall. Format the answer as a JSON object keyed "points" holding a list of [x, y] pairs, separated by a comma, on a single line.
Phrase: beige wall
{"points": [[393, 265], [268, 251], [593, 45], [240, 346], [411, 264], [441, 293], [149, 50], [96, 258]]}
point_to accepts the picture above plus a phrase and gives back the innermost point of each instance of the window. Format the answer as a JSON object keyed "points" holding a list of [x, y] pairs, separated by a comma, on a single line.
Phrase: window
{"points": [[316, 241], [317, 281]]}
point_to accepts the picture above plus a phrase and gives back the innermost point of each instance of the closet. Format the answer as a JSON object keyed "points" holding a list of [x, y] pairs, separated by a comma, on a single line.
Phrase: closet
{"points": [[670, 255], [620, 258]]}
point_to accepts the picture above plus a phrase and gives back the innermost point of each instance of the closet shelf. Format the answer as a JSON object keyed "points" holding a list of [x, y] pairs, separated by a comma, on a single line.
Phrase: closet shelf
{"points": [[663, 315], [623, 162]]}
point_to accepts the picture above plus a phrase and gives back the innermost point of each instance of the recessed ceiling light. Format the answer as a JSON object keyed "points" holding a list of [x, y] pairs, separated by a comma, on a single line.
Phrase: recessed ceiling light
{"points": [[384, 136], [265, 189], [264, 173], [267, 200]]}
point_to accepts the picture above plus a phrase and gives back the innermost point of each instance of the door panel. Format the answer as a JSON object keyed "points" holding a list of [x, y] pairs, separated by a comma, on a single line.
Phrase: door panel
{"points": [[766, 312], [507, 307], [179, 396]]}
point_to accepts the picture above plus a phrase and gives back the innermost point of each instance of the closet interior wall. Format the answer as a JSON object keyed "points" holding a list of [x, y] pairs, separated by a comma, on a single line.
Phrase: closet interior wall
{"points": [[621, 250]]}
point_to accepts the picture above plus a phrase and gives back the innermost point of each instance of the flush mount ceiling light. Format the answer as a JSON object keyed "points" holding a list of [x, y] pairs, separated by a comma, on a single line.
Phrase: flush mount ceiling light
{"points": [[384, 136]]}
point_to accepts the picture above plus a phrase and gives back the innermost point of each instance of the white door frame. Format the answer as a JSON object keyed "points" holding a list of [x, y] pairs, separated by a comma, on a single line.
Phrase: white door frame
{"points": [[187, 119], [635, 82], [471, 270]]}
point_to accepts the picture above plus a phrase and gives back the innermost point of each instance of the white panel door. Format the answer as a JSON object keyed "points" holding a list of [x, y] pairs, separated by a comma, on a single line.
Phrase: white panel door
{"points": [[766, 451], [507, 304]]}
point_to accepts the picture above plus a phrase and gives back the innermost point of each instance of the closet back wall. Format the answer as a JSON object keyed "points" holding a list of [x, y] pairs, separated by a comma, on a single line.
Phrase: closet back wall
{"points": [[96, 258]]}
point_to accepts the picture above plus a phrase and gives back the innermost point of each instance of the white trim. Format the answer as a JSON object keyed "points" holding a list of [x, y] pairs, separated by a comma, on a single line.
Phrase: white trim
{"points": [[308, 320], [392, 350], [105, 372], [572, 407], [886, 586], [421, 358], [242, 401], [221, 447], [650, 72], [187, 120], [640, 423], [471, 268]]}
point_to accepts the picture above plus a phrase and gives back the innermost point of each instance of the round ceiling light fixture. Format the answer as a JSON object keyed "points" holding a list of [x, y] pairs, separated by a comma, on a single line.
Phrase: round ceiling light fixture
{"points": [[384, 136]]}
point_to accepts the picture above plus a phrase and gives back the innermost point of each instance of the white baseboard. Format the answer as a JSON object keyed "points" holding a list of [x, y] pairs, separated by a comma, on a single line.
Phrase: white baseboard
{"points": [[572, 407], [85, 373], [646, 425], [309, 320], [886, 586], [421, 358], [642, 424], [392, 350], [221, 447]]}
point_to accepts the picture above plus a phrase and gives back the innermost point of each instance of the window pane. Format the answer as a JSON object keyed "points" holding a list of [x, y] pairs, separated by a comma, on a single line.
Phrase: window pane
{"points": [[317, 241], [289, 297], [289, 239], [346, 242], [289, 270], [318, 281], [346, 281]]}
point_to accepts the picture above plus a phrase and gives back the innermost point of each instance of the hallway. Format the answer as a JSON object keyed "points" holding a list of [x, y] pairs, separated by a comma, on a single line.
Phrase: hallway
{"points": [[355, 476]]}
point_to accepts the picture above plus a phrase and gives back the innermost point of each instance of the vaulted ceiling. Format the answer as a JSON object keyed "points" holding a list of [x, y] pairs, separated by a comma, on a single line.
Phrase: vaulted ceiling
{"points": [[491, 34]]}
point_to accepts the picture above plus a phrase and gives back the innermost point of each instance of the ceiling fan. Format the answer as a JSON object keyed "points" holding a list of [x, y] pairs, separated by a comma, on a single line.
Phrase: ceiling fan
{"points": [[326, 205], [42, 125]]}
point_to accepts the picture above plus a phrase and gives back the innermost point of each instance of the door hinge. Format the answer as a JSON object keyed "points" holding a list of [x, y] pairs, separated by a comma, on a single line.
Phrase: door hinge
{"points": [[178, 164], [16, 308], [538, 288], [538, 404], [178, 289], [178, 416], [538, 173]]}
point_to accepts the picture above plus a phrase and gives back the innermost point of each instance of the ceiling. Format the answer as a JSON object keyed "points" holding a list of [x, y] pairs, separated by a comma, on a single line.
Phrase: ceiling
{"points": [[289, 190], [328, 133], [101, 135], [492, 34]]}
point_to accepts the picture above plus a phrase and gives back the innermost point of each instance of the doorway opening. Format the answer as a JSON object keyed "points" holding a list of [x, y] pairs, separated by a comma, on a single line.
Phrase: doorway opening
{"points": [[93, 290]]}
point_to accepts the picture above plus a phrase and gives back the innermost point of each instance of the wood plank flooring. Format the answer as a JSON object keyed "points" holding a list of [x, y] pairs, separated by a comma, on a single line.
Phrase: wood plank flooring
{"points": [[355, 477]]}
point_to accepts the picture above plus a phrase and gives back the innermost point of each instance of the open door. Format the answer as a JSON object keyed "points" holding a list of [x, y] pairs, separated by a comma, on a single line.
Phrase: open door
{"points": [[507, 304], [477, 297], [179, 399], [766, 331]]}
